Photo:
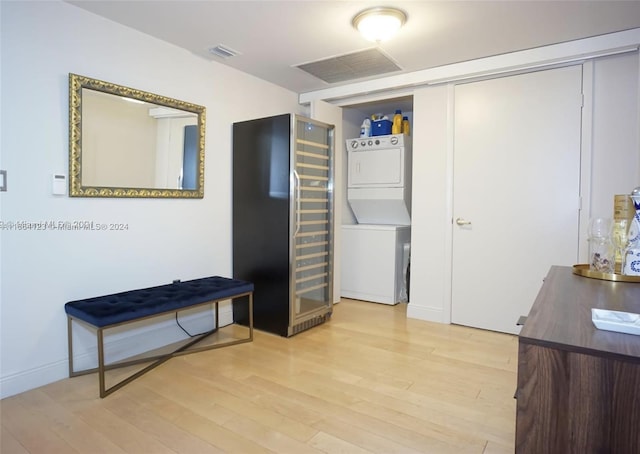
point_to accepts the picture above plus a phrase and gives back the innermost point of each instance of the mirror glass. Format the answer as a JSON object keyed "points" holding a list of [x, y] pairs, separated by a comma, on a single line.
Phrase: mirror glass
{"points": [[125, 142]]}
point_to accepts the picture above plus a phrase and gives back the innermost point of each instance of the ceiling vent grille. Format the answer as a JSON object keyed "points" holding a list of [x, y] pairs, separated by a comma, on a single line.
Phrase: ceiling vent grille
{"points": [[357, 65], [223, 51]]}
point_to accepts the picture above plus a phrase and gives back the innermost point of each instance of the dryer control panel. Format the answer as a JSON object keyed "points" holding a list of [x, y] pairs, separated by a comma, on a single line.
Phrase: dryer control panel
{"points": [[375, 143]]}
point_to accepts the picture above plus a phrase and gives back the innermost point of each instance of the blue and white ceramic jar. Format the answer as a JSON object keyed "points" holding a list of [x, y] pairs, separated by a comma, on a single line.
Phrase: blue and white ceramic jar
{"points": [[632, 257]]}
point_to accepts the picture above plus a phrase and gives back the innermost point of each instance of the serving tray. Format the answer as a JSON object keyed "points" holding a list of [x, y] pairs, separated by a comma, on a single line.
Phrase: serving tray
{"points": [[583, 270], [622, 322]]}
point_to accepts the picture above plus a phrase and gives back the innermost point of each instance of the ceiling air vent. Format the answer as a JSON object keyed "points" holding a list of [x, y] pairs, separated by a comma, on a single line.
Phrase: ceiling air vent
{"points": [[223, 51], [366, 63]]}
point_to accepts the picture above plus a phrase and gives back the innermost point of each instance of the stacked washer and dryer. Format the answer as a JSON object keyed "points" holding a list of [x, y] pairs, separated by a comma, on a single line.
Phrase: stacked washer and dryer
{"points": [[376, 250]]}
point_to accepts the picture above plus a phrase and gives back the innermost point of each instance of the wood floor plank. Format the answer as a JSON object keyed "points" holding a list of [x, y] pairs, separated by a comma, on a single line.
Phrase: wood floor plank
{"points": [[329, 444], [189, 396], [67, 424], [497, 448], [121, 432], [429, 418], [366, 439], [154, 425], [32, 429], [268, 437], [400, 434], [244, 400], [204, 428], [204, 424], [369, 380], [10, 444]]}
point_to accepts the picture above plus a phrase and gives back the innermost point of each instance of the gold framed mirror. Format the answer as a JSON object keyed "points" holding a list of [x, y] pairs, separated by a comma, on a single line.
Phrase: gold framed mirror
{"points": [[125, 142]]}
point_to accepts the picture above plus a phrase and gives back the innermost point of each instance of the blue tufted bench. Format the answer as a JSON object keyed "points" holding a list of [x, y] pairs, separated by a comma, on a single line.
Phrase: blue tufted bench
{"points": [[104, 312]]}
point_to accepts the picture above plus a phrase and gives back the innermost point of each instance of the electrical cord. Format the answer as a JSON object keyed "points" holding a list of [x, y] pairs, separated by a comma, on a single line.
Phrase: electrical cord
{"points": [[193, 335]]}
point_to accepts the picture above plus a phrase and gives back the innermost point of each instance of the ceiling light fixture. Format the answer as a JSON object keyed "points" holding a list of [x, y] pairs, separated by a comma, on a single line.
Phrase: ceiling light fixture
{"points": [[379, 24]]}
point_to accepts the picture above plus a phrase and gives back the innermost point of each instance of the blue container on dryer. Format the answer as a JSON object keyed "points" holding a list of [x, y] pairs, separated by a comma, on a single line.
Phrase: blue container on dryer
{"points": [[380, 127]]}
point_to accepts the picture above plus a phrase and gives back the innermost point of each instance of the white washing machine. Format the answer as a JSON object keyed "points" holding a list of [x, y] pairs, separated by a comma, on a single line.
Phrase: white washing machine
{"points": [[375, 260]]}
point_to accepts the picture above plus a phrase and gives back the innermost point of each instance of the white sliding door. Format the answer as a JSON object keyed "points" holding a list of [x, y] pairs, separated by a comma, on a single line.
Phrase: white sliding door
{"points": [[516, 192]]}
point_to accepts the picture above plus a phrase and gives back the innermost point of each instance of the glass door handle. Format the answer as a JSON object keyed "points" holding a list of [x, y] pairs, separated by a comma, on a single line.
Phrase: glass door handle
{"points": [[296, 186], [461, 221]]}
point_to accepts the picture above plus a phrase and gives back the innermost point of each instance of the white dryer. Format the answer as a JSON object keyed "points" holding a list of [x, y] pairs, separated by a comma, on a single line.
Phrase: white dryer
{"points": [[379, 179]]}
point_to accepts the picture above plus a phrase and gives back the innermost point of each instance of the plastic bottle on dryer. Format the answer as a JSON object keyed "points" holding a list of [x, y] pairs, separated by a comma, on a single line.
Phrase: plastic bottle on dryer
{"points": [[406, 129], [365, 129], [396, 126]]}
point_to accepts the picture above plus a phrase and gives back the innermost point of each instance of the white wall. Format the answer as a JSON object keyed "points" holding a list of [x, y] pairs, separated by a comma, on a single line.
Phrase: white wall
{"points": [[616, 129], [166, 239], [431, 204], [352, 119], [611, 151]]}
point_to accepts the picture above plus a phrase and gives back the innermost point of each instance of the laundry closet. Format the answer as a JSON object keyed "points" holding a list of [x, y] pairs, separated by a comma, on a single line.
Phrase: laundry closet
{"points": [[376, 228]]}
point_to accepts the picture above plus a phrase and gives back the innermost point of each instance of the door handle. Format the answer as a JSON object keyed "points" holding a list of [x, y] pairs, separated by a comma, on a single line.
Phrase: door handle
{"points": [[296, 182], [461, 221]]}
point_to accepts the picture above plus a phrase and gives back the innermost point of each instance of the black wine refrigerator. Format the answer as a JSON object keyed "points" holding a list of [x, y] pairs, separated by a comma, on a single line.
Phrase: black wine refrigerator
{"points": [[283, 223]]}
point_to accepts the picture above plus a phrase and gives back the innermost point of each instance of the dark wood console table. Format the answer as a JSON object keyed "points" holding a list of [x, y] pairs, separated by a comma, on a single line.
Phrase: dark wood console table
{"points": [[578, 386]]}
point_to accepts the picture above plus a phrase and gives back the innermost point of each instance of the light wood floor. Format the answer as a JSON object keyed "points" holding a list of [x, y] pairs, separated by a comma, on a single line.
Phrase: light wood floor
{"points": [[369, 380]]}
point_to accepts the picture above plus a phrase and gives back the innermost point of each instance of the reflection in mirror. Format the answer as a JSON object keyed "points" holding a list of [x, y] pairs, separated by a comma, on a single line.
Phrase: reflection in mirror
{"points": [[129, 143]]}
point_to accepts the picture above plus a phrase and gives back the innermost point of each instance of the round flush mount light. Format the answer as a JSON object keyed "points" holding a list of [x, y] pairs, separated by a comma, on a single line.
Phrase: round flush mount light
{"points": [[379, 24]]}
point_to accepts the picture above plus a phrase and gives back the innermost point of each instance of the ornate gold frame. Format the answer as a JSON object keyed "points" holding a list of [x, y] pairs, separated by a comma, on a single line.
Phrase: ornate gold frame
{"points": [[76, 189]]}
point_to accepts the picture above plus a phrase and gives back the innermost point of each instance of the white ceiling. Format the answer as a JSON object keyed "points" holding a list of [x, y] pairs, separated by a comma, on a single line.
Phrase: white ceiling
{"points": [[274, 36]]}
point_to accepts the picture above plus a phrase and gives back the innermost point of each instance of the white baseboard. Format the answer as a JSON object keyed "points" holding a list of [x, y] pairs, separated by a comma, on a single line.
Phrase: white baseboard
{"points": [[13, 384], [428, 314], [121, 345], [375, 298]]}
